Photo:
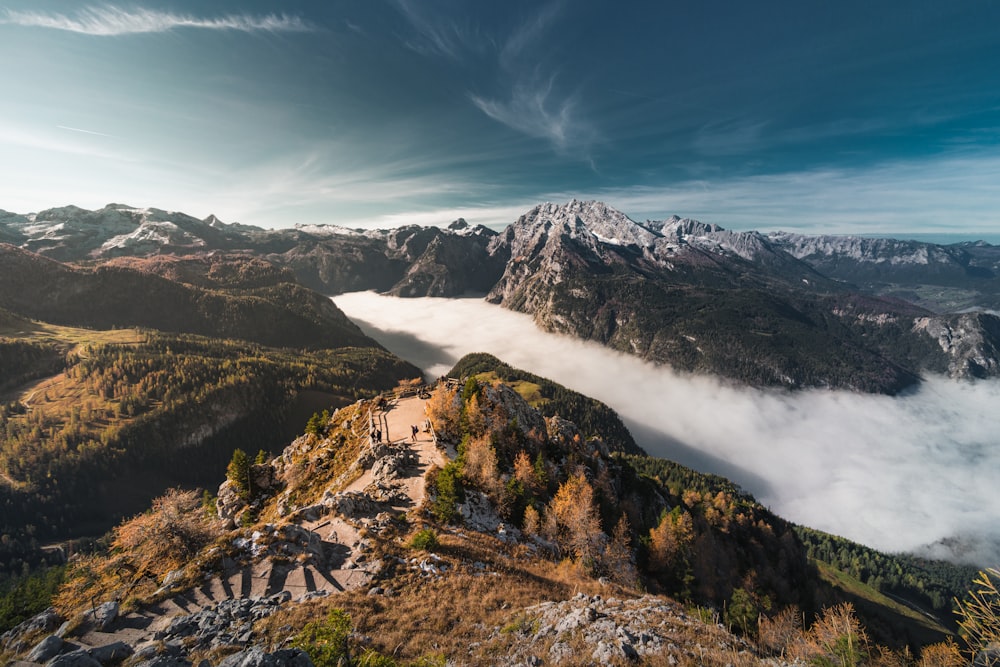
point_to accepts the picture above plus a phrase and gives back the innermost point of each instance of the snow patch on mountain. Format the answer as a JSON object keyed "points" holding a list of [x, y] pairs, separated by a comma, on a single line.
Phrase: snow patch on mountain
{"points": [[151, 235], [859, 249]]}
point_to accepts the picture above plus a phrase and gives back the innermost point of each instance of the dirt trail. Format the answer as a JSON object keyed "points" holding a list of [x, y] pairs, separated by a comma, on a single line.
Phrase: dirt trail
{"points": [[397, 421], [340, 537]]}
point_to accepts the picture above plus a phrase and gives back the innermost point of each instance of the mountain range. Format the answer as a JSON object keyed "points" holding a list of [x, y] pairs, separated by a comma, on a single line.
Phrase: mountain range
{"points": [[140, 349], [774, 309]]}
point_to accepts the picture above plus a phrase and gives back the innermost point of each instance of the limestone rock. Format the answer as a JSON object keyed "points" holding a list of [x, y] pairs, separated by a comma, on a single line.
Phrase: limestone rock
{"points": [[111, 653], [104, 615], [44, 621], [78, 658], [229, 503], [45, 649], [256, 657], [262, 477]]}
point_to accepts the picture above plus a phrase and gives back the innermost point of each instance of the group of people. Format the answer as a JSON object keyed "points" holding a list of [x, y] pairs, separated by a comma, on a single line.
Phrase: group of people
{"points": [[376, 433]]}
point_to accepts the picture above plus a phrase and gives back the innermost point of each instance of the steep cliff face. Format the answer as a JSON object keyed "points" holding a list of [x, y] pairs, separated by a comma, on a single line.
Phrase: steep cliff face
{"points": [[970, 341], [456, 261], [687, 294]]}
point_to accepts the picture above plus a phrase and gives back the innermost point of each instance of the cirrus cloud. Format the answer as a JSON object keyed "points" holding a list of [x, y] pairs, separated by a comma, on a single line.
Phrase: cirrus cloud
{"points": [[113, 21]]}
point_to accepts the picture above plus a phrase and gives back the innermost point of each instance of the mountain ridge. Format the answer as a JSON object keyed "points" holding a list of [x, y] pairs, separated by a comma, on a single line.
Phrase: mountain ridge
{"points": [[765, 309]]}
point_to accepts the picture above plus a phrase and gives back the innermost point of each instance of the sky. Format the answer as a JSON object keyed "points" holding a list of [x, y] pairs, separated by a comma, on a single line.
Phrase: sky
{"points": [[913, 473], [845, 117]]}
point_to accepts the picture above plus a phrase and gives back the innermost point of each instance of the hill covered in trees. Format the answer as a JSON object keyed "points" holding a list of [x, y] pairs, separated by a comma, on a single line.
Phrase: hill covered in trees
{"points": [[551, 398], [100, 411]]}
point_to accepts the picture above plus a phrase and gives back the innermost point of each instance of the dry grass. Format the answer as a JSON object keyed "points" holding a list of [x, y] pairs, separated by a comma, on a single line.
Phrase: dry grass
{"points": [[476, 614], [324, 459], [444, 615], [173, 535]]}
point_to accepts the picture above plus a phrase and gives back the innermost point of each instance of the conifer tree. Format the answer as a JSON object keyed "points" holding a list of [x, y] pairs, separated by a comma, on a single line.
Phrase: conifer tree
{"points": [[238, 472]]}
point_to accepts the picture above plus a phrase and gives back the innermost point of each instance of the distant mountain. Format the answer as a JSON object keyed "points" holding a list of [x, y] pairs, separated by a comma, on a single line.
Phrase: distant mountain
{"points": [[409, 261], [779, 309], [938, 276], [73, 233], [701, 298], [109, 296]]}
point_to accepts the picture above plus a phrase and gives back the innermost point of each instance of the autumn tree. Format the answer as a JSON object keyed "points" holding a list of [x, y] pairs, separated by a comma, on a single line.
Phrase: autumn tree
{"points": [[480, 466], [670, 549], [572, 520], [444, 410], [143, 550], [524, 472], [835, 640], [618, 560], [979, 613]]}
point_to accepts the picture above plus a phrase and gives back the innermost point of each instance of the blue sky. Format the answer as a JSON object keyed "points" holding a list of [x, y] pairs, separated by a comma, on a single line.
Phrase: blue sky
{"points": [[846, 117]]}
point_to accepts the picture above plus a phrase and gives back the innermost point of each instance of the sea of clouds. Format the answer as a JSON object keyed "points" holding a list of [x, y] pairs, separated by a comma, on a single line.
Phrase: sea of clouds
{"points": [[916, 472]]}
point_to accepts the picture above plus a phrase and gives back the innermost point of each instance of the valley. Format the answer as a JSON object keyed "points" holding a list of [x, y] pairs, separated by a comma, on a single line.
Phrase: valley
{"points": [[905, 473], [136, 364]]}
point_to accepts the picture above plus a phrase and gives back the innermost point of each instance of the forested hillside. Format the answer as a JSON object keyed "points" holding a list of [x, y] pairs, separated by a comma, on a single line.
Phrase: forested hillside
{"points": [[97, 416], [551, 398], [700, 537]]}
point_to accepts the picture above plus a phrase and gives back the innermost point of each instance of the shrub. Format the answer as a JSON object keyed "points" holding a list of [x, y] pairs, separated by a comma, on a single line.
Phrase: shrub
{"points": [[372, 658], [449, 492], [836, 639], [425, 540], [326, 641]]}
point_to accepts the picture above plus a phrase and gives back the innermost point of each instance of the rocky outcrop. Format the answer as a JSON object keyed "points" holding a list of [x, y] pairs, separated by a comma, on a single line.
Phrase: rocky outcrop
{"points": [[14, 639], [228, 623], [255, 656], [970, 341], [596, 630]]}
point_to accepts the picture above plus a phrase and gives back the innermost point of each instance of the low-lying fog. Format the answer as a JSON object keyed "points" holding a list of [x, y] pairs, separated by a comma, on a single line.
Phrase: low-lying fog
{"points": [[916, 472]]}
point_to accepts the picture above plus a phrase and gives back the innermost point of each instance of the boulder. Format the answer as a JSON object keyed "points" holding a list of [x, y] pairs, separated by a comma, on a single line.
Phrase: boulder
{"points": [[352, 505], [164, 661], [256, 657], [104, 615], [43, 621], [229, 503], [46, 649], [111, 653], [78, 658]]}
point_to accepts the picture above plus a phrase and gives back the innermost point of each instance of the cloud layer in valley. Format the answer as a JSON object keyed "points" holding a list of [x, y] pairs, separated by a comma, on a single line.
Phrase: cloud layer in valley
{"points": [[908, 473]]}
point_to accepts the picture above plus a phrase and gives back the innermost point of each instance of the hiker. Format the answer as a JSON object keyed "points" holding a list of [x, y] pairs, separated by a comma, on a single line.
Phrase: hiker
{"points": [[378, 435], [413, 433]]}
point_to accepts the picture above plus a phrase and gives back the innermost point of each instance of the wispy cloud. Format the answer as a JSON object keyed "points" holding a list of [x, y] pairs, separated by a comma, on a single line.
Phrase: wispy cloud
{"points": [[535, 105], [83, 131], [535, 110], [112, 21], [527, 34], [438, 36]]}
